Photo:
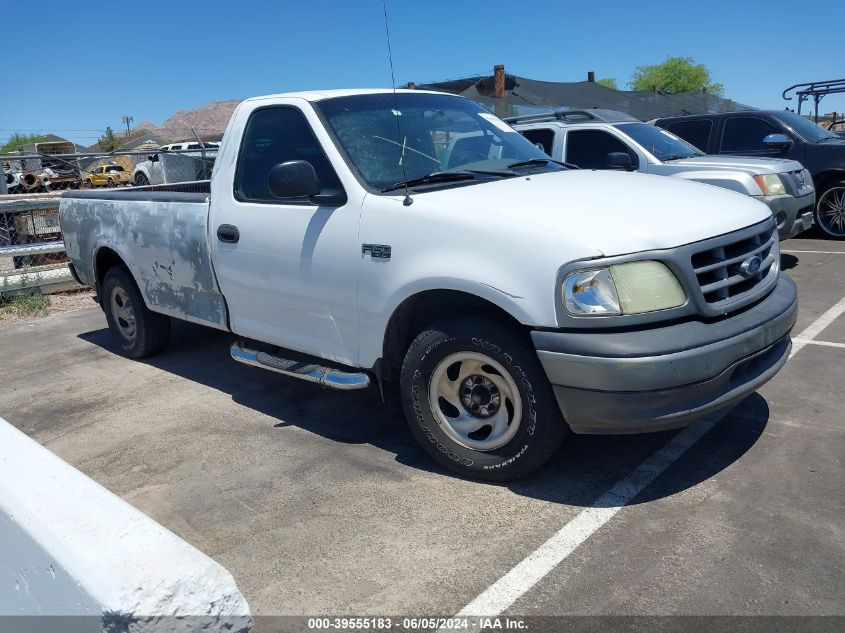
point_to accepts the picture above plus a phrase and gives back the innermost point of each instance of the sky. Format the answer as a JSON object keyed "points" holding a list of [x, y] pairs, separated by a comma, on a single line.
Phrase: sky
{"points": [[73, 71]]}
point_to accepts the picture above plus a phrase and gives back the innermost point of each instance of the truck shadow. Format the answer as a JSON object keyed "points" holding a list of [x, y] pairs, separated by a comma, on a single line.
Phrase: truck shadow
{"points": [[788, 261], [581, 471]]}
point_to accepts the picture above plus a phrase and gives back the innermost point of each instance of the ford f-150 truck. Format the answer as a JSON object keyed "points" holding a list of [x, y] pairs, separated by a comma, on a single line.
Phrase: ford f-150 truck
{"points": [[607, 139], [358, 237]]}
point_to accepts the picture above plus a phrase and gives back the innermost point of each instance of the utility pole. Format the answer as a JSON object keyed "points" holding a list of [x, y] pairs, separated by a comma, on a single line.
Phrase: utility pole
{"points": [[126, 121]]}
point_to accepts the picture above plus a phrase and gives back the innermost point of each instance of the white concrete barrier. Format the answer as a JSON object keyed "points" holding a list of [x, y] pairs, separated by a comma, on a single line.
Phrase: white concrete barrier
{"points": [[71, 548]]}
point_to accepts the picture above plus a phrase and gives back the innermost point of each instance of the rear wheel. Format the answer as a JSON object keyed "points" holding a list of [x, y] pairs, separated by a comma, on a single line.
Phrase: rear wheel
{"points": [[830, 211], [478, 401], [110, 183], [139, 331]]}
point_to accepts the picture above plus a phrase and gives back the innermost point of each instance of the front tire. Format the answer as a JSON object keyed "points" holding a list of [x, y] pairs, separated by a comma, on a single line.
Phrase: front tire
{"points": [[830, 211], [138, 331], [141, 180], [477, 399]]}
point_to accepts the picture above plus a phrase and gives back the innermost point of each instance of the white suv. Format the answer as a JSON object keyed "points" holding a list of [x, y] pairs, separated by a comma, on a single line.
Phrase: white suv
{"points": [[154, 172]]}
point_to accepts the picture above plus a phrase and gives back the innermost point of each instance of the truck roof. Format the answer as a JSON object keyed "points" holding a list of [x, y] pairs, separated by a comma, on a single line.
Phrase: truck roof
{"points": [[319, 95]]}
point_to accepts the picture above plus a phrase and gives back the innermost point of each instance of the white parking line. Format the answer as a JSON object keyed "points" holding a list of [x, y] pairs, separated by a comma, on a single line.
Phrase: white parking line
{"points": [[505, 591], [807, 341], [534, 567], [815, 328], [784, 250]]}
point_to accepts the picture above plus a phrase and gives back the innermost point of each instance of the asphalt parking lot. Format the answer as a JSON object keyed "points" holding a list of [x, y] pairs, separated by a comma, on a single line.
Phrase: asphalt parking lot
{"points": [[320, 502]]}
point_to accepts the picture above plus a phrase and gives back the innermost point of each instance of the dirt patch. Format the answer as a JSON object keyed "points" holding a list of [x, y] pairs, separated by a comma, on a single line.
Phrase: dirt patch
{"points": [[58, 303]]}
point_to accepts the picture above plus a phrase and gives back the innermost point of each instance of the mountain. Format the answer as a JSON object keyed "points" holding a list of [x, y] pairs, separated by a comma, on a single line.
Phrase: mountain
{"points": [[208, 120]]}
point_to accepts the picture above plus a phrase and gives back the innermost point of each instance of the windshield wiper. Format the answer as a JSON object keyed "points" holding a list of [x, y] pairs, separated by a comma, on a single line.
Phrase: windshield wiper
{"points": [[435, 177], [539, 161]]}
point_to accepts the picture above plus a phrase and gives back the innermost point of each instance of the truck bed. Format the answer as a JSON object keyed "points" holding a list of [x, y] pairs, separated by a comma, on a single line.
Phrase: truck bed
{"points": [[161, 233]]}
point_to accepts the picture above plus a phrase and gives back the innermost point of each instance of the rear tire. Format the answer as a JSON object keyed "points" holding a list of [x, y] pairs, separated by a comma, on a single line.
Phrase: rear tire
{"points": [[830, 211], [477, 399], [138, 331]]}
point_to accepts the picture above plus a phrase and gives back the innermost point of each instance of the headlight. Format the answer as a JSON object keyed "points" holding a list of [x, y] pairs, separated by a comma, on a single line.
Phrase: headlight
{"points": [[631, 288], [590, 292], [771, 184]]}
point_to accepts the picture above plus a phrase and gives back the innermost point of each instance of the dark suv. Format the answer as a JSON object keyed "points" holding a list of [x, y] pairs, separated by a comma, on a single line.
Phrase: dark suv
{"points": [[777, 134]]}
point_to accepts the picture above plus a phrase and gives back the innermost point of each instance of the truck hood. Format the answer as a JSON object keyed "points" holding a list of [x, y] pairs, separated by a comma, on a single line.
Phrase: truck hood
{"points": [[612, 212], [751, 166]]}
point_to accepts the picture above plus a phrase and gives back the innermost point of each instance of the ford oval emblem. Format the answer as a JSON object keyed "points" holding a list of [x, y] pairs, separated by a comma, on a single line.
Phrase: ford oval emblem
{"points": [[751, 266]]}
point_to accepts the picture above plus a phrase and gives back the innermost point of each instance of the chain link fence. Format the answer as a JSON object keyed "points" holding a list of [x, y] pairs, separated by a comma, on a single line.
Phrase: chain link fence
{"points": [[32, 257]]}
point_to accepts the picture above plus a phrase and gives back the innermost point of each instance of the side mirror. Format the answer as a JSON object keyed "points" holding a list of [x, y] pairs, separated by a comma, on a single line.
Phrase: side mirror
{"points": [[619, 160], [152, 158], [777, 141], [540, 147], [294, 179]]}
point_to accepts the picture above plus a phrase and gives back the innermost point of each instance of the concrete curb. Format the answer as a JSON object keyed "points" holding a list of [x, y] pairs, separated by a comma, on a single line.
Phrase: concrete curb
{"points": [[69, 547]]}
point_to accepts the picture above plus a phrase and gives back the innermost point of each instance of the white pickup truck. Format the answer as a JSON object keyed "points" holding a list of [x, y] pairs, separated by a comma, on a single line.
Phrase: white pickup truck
{"points": [[351, 237]]}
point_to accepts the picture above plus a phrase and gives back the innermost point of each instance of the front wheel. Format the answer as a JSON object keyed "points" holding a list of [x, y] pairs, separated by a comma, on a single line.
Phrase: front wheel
{"points": [[138, 330], [830, 211], [477, 399], [141, 180]]}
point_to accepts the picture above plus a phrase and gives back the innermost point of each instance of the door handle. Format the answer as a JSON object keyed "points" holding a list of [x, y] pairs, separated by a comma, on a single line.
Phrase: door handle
{"points": [[228, 233]]}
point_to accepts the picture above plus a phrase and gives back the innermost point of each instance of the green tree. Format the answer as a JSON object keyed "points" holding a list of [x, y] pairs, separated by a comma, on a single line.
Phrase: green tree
{"points": [[16, 141], [108, 141], [608, 82], [676, 74]]}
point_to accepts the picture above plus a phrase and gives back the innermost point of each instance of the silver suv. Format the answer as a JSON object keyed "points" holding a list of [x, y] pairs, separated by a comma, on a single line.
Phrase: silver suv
{"points": [[607, 139]]}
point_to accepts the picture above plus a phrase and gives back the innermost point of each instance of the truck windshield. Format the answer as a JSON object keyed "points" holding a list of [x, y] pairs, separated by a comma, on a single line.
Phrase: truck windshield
{"points": [[804, 128], [426, 134], [658, 142]]}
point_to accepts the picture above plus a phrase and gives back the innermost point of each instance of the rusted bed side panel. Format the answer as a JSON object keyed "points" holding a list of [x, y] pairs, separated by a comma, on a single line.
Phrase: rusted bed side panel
{"points": [[163, 240]]}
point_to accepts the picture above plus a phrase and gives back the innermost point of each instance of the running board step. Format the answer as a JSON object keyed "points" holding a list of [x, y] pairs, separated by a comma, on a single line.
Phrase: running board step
{"points": [[326, 376]]}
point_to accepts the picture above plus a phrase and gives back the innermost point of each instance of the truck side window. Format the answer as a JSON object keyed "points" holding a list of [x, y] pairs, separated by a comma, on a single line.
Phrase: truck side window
{"points": [[589, 148], [695, 132], [273, 135], [745, 134], [544, 137]]}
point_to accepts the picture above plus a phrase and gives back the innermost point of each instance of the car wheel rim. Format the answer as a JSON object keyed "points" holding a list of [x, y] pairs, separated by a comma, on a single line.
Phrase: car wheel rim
{"points": [[831, 215], [475, 401], [124, 313]]}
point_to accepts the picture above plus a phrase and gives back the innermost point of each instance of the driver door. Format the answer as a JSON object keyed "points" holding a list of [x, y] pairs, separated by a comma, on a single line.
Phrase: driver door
{"points": [[288, 268]]}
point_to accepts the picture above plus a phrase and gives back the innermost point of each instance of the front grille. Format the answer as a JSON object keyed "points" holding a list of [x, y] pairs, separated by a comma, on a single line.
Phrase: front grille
{"points": [[718, 268]]}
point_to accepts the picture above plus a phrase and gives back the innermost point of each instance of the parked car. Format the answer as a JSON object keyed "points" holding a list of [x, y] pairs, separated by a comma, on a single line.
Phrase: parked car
{"points": [[506, 298], [195, 162], [107, 176], [778, 134], [607, 139]]}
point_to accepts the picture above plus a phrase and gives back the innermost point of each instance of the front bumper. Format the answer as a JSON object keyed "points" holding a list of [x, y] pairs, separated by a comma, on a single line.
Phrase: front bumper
{"points": [[793, 215], [667, 376]]}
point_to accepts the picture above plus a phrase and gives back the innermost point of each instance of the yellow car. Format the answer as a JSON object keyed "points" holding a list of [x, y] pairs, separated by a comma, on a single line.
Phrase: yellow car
{"points": [[107, 176]]}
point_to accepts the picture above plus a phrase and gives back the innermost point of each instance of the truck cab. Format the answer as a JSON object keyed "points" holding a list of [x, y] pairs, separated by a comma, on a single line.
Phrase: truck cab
{"points": [[607, 139]]}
